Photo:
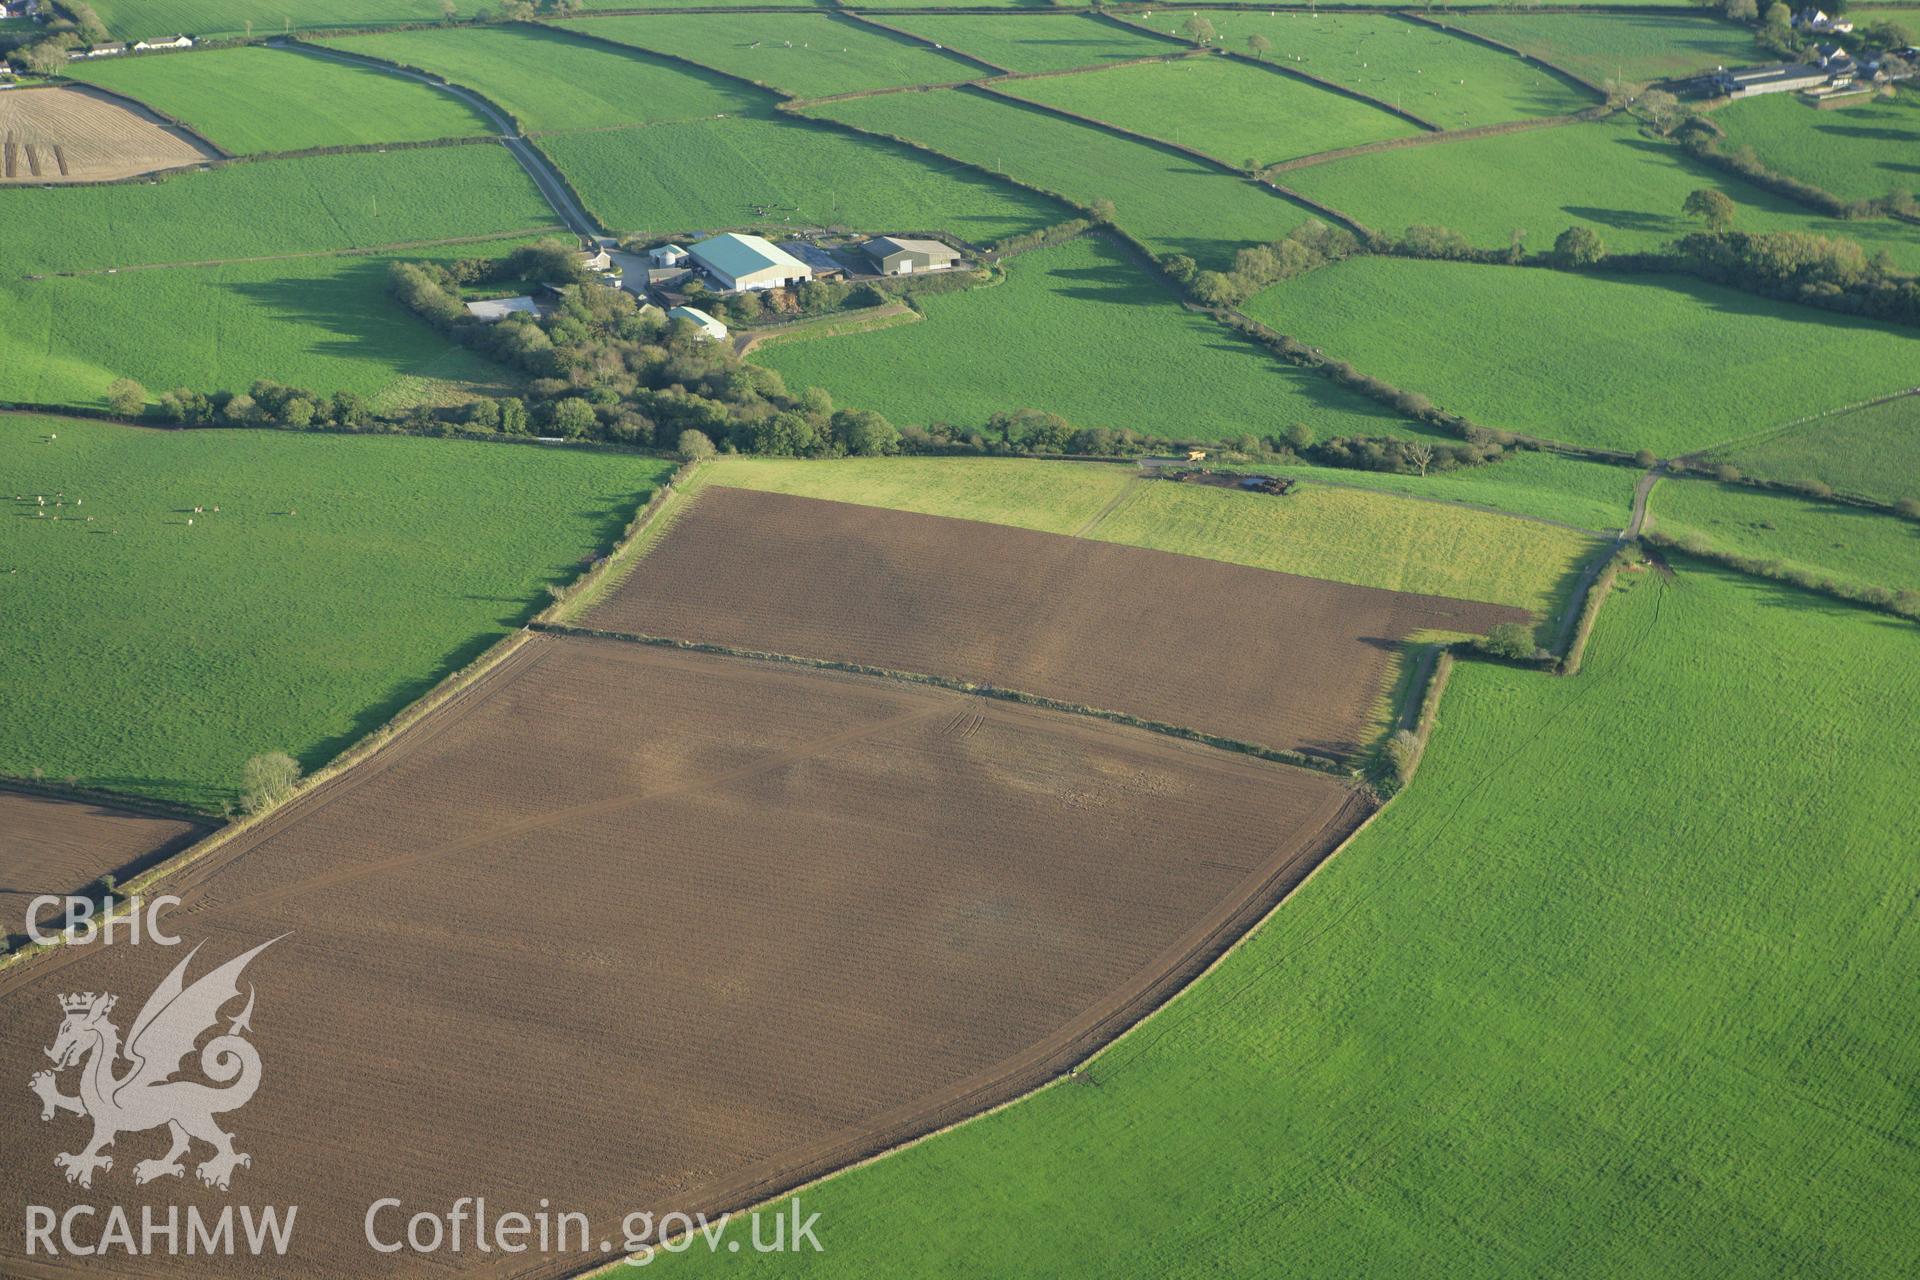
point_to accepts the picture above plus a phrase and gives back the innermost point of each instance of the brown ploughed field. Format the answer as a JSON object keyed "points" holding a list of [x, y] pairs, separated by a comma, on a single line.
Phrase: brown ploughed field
{"points": [[1270, 658], [76, 135], [631, 928], [62, 846]]}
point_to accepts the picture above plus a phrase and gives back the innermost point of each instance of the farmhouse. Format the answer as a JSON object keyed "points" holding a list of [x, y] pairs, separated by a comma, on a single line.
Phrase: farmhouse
{"points": [[98, 51], [740, 262], [492, 309], [1817, 20], [177, 42], [596, 259], [904, 257], [667, 255], [713, 329]]}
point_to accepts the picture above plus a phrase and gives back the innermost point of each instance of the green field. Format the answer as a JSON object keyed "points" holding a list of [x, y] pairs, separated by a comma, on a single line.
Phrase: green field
{"points": [[1230, 110], [1872, 453], [142, 19], [1049, 339], [810, 54], [1528, 482], [1602, 175], [1344, 535], [1865, 548], [1450, 81], [1661, 363], [257, 99], [724, 173], [1859, 152], [341, 577], [1035, 42], [1619, 987], [1631, 48], [1173, 203], [270, 207], [547, 79], [324, 323]]}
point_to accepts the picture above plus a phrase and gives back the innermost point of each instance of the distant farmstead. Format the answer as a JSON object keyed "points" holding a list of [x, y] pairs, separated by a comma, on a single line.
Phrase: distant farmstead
{"points": [[904, 257], [740, 262], [177, 42]]}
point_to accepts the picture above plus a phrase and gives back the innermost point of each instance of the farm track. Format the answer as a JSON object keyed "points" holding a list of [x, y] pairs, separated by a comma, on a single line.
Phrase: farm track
{"points": [[546, 178], [665, 1042], [1590, 574], [1128, 495]]}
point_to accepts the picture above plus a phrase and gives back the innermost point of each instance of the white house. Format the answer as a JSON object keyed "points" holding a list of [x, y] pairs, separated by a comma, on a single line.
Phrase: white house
{"points": [[713, 329], [739, 261], [667, 255], [178, 42], [1817, 20]]}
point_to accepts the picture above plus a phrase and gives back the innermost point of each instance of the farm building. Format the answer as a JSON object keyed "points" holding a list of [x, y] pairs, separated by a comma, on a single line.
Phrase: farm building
{"points": [[596, 259], [904, 257], [98, 51], [667, 255], [712, 328], [825, 265], [177, 42], [491, 309], [1786, 78], [739, 261]]}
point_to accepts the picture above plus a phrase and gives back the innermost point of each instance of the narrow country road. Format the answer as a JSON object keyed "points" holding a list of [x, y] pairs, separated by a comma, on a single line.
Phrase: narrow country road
{"points": [[1635, 523], [545, 177]]}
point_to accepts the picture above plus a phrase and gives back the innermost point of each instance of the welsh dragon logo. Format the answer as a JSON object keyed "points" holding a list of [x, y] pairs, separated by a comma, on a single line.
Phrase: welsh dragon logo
{"points": [[145, 1095]]}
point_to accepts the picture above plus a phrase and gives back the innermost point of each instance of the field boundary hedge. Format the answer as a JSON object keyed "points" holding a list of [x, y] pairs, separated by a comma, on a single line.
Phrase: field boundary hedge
{"points": [[1334, 86], [165, 118], [444, 694], [1335, 766], [920, 40], [1704, 145], [1279, 68], [576, 594], [1421, 19], [151, 806], [1570, 661], [643, 51], [1429, 139], [1899, 603]]}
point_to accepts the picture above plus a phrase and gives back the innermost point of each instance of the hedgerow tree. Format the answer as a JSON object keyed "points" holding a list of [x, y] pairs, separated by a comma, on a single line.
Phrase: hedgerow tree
{"points": [[1579, 247], [266, 780], [126, 397], [1200, 30], [1711, 207]]}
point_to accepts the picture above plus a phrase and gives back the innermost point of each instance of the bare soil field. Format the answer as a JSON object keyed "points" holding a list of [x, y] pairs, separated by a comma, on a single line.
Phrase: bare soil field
{"points": [[628, 928], [1282, 661], [61, 846], [80, 135]]}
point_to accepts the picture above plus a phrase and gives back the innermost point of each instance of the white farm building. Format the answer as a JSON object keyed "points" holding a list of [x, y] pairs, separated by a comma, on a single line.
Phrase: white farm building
{"points": [[739, 261]]}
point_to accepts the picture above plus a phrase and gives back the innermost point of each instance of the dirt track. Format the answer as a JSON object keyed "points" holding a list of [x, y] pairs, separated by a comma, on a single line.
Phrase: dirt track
{"points": [[630, 928], [59, 846], [1270, 658]]}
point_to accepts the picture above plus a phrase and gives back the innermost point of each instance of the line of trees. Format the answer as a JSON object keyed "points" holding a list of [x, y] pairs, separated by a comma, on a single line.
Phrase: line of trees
{"points": [[1311, 244]]}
